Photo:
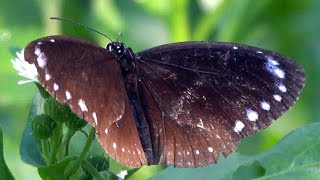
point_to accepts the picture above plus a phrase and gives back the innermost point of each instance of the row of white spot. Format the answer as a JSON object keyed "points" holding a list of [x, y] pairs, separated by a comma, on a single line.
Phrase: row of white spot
{"points": [[42, 61], [272, 67]]}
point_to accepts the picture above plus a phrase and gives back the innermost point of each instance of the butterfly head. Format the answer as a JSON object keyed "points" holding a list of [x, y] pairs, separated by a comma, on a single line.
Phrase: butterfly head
{"points": [[117, 48]]}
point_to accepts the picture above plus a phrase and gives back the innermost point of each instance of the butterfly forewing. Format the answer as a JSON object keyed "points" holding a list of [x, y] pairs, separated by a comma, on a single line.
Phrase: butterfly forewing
{"points": [[213, 94], [88, 78]]}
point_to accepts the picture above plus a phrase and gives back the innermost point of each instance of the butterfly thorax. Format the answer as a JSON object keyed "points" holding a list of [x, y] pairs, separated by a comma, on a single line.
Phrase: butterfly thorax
{"points": [[127, 60], [125, 56]]}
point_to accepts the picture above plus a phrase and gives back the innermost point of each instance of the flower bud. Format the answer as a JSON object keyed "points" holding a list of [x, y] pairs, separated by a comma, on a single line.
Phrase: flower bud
{"points": [[75, 123], [42, 126], [57, 111]]}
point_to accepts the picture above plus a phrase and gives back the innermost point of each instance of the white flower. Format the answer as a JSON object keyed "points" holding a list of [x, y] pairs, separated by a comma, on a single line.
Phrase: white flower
{"points": [[122, 174], [24, 68]]}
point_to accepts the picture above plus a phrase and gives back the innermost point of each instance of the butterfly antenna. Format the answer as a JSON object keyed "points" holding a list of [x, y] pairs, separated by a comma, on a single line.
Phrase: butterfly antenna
{"points": [[76, 23], [120, 34]]}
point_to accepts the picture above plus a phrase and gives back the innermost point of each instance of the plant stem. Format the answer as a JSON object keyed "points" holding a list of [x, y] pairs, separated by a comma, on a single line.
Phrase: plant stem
{"points": [[64, 148], [55, 143], [180, 20], [92, 170], [75, 165], [208, 22], [45, 149]]}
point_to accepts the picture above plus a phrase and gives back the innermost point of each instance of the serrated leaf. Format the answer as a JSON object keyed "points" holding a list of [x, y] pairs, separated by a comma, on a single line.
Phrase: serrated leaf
{"points": [[29, 147]]}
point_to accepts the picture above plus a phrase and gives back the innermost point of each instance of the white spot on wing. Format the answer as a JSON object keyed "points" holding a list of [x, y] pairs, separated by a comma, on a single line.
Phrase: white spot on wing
{"points": [[279, 72], [235, 47], [68, 95], [52, 40], [39, 43], [270, 60], [239, 126], [47, 77], [197, 152], [210, 149], [259, 52], [282, 88], [82, 105], [37, 51], [277, 97], [41, 59], [106, 131], [252, 115], [55, 87], [114, 145], [272, 67], [94, 115], [265, 105]]}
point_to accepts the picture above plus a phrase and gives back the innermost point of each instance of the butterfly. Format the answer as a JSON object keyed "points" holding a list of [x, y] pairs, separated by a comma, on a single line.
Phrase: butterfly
{"points": [[181, 104]]}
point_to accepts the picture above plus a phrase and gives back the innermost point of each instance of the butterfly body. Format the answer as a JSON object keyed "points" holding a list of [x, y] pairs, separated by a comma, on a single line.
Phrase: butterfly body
{"points": [[183, 104]]}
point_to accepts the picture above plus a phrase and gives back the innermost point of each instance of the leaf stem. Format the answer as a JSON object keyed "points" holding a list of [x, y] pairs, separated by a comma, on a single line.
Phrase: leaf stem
{"points": [[64, 148], [208, 22], [45, 149], [180, 20], [55, 143], [92, 170], [75, 165]]}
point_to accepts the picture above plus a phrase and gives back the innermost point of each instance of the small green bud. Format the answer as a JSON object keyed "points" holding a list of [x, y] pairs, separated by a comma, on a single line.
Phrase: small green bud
{"points": [[75, 123], [100, 163], [42, 91], [42, 126], [58, 112]]}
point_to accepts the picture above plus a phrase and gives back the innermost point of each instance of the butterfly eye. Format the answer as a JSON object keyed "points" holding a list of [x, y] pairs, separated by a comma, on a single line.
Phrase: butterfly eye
{"points": [[109, 47], [116, 48]]}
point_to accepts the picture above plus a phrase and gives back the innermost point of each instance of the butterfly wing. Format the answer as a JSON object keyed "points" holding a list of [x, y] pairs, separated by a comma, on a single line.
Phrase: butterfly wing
{"points": [[89, 79], [201, 98]]}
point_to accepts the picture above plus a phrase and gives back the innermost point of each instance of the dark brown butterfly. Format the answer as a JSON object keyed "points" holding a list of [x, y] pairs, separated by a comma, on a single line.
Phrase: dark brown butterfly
{"points": [[183, 104]]}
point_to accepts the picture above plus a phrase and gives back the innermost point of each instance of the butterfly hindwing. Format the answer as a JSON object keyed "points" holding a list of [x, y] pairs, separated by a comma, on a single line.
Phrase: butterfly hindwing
{"points": [[213, 94], [88, 78]]}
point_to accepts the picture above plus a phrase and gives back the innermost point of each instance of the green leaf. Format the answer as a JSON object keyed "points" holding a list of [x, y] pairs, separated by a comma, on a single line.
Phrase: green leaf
{"points": [[55, 171], [145, 172], [295, 156], [5, 172], [29, 147], [252, 171], [223, 170]]}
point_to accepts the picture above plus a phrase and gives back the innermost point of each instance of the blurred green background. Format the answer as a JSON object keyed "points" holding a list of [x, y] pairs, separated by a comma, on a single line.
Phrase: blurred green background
{"points": [[285, 26]]}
